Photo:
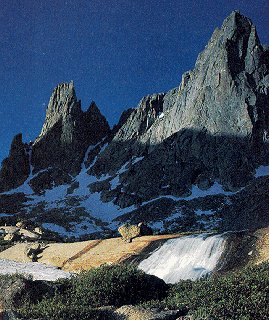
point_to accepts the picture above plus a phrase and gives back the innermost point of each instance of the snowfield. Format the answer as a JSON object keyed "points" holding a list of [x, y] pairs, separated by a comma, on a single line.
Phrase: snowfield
{"points": [[38, 271]]}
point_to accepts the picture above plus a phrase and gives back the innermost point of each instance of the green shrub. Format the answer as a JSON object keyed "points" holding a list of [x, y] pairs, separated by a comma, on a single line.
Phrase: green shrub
{"points": [[58, 308], [116, 285], [107, 285], [241, 295]]}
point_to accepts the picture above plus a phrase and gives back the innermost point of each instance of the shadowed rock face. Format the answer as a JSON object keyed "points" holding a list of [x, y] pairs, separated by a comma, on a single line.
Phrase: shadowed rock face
{"points": [[67, 131], [15, 168]]}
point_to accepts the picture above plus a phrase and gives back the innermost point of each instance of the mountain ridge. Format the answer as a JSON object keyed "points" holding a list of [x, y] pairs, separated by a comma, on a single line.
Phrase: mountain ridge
{"points": [[202, 139]]}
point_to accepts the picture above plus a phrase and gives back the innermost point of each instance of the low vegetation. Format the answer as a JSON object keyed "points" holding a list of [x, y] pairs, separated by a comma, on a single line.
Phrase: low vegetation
{"points": [[79, 298], [240, 295], [237, 295]]}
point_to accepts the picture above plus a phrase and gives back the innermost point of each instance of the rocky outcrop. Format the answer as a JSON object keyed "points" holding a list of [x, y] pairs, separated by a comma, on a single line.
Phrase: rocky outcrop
{"points": [[16, 167], [134, 312], [67, 131]]}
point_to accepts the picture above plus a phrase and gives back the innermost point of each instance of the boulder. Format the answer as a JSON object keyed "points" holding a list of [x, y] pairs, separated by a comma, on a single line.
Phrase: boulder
{"points": [[10, 229], [28, 235], [11, 237], [129, 232], [139, 313], [38, 230], [20, 224]]}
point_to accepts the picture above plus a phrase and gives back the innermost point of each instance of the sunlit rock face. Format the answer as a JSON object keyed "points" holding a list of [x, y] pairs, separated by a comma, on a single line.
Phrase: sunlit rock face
{"points": [[213, 127]]}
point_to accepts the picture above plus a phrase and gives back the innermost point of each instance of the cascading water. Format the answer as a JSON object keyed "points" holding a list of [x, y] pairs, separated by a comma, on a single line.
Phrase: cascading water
{"points": [[188, 257]]}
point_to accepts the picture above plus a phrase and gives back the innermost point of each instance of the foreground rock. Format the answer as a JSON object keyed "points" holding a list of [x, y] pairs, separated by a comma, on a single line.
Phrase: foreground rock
{"points": [[11, 233], [15, 289], [138, 313]]}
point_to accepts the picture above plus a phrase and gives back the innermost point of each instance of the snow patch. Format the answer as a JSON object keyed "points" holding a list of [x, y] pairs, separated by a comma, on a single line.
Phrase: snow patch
{"points": [[215, 189], [115, 182], [5, 215], [262, 171], [203, 212], [137, 159], [38, 271], [156, 225]]}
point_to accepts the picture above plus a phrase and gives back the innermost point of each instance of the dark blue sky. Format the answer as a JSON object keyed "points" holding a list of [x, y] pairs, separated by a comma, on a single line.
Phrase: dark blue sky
{"points": [[116, 51]]}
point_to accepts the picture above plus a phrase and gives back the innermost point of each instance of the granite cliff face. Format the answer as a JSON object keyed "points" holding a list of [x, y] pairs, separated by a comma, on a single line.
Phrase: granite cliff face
{"points": [[181, 158]]}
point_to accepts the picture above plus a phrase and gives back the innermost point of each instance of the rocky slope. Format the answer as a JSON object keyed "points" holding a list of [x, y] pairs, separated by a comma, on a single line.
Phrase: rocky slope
{"points": [[183, 160]]}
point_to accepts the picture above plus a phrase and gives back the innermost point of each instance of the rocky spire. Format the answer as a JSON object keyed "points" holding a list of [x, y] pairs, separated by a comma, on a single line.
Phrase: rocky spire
{"points": [[67, 131], [62, 106], [16, 167]]}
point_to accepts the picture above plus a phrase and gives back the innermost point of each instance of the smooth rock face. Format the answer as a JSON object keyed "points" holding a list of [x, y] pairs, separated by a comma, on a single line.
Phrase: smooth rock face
{"points": [[15, 168], [67, 131]]}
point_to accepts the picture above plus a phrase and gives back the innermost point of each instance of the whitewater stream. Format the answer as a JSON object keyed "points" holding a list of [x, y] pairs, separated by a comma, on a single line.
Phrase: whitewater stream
{"points": [[189, 257]]}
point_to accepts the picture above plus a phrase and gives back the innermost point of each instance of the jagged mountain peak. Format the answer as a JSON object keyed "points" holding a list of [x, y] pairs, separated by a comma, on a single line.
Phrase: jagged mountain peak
{"points": [[64, 91], [63, 104], [63, 99], [93, 109], [212, 127]]}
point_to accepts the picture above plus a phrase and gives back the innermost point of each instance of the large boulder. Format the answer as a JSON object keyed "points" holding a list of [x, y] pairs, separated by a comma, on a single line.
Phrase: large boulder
{"points": [[129, 232]]}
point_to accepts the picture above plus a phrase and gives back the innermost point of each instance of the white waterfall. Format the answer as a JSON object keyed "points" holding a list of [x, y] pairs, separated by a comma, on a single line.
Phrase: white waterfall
{"points": [[188, 257]]}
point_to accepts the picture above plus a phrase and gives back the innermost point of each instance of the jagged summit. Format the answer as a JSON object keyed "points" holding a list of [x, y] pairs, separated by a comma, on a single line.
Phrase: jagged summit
{"points": [[62, 104], [213, 127], [59, 149], [67, 131]]}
